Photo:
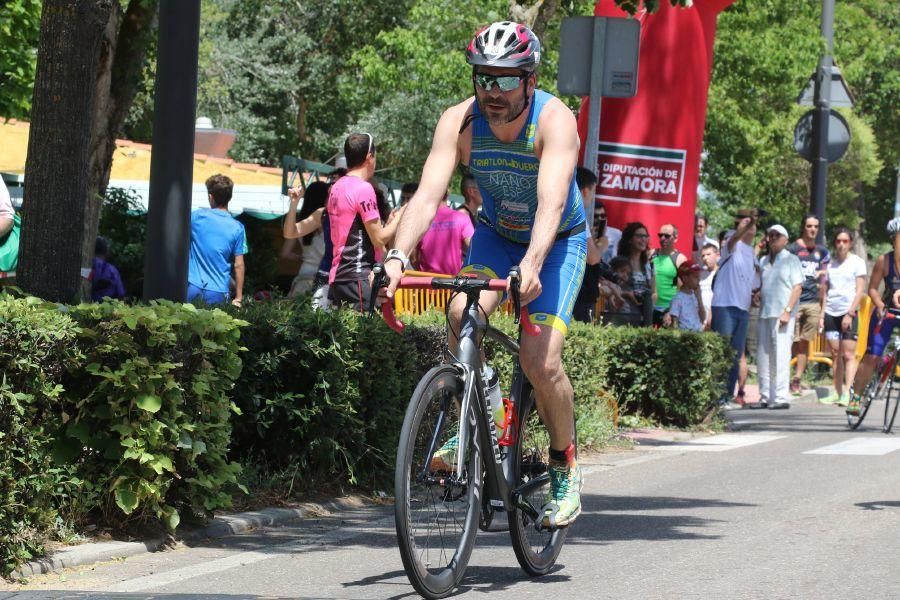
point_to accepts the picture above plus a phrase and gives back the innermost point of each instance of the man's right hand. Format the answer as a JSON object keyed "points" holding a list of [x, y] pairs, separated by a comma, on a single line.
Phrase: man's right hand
{"points": [[295, 194], [393, 270]]}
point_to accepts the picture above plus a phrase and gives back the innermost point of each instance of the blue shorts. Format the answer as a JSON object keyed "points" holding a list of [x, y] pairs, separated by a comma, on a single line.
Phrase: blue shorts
{"points": [[199, 295], [492, 255], [877, 342]]}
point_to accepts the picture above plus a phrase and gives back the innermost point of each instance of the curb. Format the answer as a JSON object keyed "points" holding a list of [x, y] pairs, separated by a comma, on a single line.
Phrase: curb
{"points": [[220, 526]]}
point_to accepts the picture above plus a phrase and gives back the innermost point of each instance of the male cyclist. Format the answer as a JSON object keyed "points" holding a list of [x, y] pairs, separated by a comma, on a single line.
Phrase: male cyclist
{"points": [[887, 269], [521, 145]]}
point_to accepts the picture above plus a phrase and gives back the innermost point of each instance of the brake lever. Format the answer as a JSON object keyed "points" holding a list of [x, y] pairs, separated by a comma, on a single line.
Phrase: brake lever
{"points": [[378, 282], [515, 275]]}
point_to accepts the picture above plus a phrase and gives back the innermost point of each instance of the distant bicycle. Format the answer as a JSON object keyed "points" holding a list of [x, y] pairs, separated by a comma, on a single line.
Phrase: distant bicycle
{"points": [[455, 470], [884, 384]]}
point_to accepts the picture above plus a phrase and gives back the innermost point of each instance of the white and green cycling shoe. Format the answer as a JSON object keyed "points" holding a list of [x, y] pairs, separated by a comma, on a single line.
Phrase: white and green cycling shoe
{"points": [[564, 498]]}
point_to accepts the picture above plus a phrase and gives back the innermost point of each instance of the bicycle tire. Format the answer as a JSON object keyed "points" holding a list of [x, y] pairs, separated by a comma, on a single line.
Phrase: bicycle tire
{"points": [[871, 392], [889, 421], [425, 510], [536, 551]]}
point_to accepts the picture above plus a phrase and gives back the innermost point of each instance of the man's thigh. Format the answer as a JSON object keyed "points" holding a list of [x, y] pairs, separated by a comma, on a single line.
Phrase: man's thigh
{"points": [[561, 278]]}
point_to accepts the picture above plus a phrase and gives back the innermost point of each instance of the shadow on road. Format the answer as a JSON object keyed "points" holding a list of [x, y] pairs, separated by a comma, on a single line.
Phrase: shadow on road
{"points": [[878, 504], [812, 418], [602, 520], [478, 578]]}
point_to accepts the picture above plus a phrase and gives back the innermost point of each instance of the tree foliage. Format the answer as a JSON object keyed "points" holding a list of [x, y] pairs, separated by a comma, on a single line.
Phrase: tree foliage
{"points": [[757, 77], [20, 22]]}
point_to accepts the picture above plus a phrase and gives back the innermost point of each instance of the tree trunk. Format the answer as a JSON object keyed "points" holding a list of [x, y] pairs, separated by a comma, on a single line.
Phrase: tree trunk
{"points": [[123, 55], [56, 170], [537, 16]]}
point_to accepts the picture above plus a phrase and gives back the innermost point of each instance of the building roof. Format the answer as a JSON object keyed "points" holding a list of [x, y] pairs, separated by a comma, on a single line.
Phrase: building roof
{"points": [[257, 188]]}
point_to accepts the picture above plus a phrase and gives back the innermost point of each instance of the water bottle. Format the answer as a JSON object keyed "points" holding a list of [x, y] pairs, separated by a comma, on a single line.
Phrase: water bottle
{"points": [[492, 385]]}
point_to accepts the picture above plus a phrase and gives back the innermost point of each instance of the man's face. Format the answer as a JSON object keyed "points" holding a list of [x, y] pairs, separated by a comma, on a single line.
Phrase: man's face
{"points": [[497, 106], [811, 228], [776, 241], [473, 195], [700, 227], [666, 237], [599, 220], [710, 257]]}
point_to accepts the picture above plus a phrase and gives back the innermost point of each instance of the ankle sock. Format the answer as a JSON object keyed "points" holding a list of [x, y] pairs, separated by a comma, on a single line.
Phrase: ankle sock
{"points": [[566, 456]]}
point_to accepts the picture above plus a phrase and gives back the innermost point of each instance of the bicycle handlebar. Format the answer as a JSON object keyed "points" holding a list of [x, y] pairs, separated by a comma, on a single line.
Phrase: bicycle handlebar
{"points": [[890, 313], [460, 283]]}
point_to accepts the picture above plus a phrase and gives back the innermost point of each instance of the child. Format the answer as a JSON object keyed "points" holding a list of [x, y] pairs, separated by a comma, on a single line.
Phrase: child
{"points": [[687, 311], [623, 307], [105, 279]]}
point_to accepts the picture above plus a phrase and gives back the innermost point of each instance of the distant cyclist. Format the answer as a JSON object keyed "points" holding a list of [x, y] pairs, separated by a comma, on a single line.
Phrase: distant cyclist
{"points": [[521, 146], [887, 269]]}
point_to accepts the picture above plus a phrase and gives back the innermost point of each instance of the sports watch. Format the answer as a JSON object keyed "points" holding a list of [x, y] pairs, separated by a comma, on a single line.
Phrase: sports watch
{"points": [[399, 255]]}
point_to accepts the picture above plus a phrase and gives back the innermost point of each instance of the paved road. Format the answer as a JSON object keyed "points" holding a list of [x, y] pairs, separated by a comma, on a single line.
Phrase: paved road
{"points": [[790, 505]]}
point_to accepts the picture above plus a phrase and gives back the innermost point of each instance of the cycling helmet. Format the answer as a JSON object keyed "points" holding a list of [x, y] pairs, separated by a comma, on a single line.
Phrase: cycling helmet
{"points": [[893, 226], [505, 44]]}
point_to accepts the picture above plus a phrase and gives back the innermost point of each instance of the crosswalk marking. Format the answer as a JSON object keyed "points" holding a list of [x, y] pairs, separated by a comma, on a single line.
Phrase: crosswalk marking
{"points": [[717, 443], [860, 446]]}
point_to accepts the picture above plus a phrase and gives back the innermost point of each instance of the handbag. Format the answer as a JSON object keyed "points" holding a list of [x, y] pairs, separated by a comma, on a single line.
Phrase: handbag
{"points": [[9, 246]]}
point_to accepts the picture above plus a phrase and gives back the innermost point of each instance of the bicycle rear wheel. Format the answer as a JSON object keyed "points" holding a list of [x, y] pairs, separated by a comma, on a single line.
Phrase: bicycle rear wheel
{"points": [[436, 500], [535, 550]]}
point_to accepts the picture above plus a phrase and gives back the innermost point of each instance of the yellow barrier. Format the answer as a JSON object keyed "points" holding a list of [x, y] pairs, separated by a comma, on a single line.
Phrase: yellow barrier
{"points": [[819, 351], [415, 301]]}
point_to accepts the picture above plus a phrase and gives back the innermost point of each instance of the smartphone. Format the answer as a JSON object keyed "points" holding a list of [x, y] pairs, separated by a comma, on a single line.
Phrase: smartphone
{"points": [[600, 227]]}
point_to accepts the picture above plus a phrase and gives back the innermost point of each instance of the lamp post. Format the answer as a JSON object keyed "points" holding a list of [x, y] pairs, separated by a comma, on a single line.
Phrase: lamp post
{"points": [[172, 162], [819, 182]]}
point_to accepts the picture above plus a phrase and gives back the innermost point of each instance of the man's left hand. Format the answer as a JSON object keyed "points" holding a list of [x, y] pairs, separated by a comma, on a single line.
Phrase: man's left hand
{"points": [[530, 284], [236, 302], [785, 318]]}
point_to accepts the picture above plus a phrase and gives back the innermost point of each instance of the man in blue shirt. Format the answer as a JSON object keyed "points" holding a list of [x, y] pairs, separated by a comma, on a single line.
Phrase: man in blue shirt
{"points": [[218, 241]]}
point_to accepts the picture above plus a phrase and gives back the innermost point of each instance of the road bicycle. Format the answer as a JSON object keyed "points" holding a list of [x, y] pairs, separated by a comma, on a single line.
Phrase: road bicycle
{"points": [[883, 385], [455, 471]]}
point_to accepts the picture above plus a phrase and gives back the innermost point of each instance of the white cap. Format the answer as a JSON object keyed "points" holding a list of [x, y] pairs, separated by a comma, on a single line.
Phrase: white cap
{"points": [[779, 229]]}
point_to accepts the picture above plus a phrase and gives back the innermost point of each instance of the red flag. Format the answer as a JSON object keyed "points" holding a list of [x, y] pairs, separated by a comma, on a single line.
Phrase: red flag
{"points": [[649, 146]]}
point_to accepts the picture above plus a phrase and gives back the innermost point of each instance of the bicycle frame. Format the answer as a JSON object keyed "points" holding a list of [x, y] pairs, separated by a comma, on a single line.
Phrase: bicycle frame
{"points": [[498, 481]]}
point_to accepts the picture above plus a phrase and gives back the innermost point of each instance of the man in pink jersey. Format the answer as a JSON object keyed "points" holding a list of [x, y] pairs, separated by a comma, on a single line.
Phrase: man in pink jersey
{"points": [[356, 228], [442, 247]]}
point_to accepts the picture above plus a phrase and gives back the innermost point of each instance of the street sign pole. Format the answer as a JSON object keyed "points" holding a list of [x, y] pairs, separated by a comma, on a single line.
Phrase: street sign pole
{"points": [[172, 161], [596, 97], [819, 179]]}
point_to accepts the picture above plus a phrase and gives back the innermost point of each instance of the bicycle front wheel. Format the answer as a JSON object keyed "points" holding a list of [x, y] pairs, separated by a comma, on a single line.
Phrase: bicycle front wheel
{"points": [[873, 390], [437, 500], [535, 550], [890, 407]]}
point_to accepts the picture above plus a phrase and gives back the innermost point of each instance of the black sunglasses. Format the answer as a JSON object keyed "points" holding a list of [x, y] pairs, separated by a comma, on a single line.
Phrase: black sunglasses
{"points": [[506, 83], [664, 236]]}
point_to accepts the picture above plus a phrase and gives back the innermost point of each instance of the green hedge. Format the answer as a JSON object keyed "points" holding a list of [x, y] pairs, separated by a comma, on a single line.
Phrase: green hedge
{"points": [[148, 409], [119, 412], [35, 348], [669, 376]]}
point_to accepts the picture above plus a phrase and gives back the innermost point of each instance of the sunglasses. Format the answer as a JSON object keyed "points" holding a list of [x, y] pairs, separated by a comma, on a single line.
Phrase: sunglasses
{"points": [[506, 83], [664, 236]]}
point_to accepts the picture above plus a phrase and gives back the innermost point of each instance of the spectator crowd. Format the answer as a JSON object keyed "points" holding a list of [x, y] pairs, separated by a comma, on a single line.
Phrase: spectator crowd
{"points": [[789, 292]]}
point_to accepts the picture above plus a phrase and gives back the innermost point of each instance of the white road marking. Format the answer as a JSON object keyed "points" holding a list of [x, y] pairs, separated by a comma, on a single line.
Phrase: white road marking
{"points": [[312, 541], [716, 443], [860, 446]]}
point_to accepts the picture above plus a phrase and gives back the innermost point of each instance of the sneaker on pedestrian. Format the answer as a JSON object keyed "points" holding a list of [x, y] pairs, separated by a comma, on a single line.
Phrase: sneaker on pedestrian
{"points": [[779, 405], [830, 399], [564, 498], [795, 386], [843, 399]]}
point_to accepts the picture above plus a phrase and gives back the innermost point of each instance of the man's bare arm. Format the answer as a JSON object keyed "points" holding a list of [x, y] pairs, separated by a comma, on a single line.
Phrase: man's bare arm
{"points": [[436, 174], [559, 156]]}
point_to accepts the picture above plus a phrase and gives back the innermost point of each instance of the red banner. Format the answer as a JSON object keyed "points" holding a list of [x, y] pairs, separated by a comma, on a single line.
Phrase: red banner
{"points": [[649, 148]]}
